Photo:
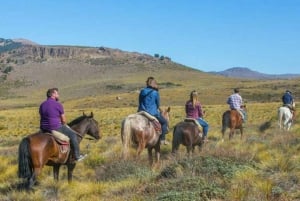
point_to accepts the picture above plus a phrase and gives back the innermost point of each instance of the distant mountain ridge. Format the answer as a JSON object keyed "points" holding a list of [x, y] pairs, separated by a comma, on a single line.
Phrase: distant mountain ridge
{"points": [[244, 72]]}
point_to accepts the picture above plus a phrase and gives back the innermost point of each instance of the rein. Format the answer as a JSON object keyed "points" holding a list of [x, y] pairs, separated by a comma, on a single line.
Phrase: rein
{"points": [[81, 136]]}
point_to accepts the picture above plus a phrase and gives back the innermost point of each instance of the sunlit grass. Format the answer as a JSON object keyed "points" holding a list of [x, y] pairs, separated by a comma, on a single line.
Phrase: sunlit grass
{"points": [[271, 156]]}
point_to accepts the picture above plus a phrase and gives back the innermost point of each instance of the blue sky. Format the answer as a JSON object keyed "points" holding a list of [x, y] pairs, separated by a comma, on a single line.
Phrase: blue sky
{"points": [[210, 35]]}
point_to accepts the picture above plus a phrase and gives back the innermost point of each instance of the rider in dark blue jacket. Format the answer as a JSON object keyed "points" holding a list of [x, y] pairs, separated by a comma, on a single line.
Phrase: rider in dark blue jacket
{"points": [[288, 100], [149, 101]]}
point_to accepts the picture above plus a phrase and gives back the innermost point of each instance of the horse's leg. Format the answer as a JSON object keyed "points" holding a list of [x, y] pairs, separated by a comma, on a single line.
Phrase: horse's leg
{"points": [[157, 151], [223, 132], [150, 158], [71, 167], [231, 133], [33, 179], [188, 150], [56, 171], [241, 130], [141, 146], [38, 162]]}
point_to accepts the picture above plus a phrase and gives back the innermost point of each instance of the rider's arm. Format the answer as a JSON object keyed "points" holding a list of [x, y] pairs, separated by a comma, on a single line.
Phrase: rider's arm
{"points": [[63, 119]]}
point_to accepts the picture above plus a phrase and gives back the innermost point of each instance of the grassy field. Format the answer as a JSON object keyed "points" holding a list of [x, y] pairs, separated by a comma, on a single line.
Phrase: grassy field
{"points": [[264, 165]]}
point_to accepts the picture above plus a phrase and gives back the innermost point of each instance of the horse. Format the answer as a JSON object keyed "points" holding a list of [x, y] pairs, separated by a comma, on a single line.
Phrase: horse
{"points": [[188, 134], [39, 149], [232, 119], [138, 130], [285, 118]]}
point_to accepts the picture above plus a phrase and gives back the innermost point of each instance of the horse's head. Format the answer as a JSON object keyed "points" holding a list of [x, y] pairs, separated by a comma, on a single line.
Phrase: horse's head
{"points": [[86, 124], [93, 128]]}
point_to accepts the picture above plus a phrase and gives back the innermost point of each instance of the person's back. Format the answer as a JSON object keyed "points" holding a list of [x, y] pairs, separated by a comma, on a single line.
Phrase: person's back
{"points": [[235, 102], [52, 117], [287, 98], [50, 111], [149, 101], [193, 109]]}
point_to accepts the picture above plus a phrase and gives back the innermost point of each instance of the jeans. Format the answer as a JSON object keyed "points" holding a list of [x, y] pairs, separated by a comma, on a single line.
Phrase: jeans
{"points": [[164, 126], [73, 139], [204, 125]]}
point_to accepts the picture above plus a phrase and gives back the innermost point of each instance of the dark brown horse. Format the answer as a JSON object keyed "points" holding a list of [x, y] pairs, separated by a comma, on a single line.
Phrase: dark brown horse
{"points": [[138, 130], [232, 119], [39, 149], [187, 134]]}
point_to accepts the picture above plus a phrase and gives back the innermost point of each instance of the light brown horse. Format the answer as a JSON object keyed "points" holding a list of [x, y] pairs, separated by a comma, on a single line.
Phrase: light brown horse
{"points": [[138, 130], [39, 149], [232, 119]]}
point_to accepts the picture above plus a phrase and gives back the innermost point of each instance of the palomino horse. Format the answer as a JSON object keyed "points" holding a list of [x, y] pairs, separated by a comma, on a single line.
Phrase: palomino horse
{"points": [[285, 118], [138, 130], [39, 149], [232, 119], [188, 134]]}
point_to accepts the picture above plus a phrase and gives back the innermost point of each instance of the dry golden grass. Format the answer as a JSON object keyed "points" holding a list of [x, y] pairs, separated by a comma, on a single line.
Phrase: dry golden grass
{"points": [[271, 156]]}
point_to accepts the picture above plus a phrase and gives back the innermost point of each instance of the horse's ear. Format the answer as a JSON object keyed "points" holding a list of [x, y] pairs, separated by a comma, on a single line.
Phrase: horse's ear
{"points": [[92, 114], [83, 113], [169, 109]]}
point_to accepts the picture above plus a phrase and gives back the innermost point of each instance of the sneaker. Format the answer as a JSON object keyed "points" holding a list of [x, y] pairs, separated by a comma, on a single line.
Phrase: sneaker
{"points": [[81, 157]]}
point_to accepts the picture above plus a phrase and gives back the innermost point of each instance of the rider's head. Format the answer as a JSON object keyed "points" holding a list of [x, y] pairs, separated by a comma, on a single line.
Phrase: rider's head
{"points": [[52, 93], [151, 82], [288, 91], [236, 90], [194, 97]]}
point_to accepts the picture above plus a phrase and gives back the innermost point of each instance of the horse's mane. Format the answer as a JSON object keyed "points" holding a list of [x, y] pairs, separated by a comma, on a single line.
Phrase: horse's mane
{"points": [[77, 120]]}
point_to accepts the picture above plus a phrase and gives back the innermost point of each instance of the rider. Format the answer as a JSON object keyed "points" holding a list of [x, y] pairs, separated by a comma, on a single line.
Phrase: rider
{"points": [[193, 109], [235, 102], [52, 117], [288, 101], [149, 101]]}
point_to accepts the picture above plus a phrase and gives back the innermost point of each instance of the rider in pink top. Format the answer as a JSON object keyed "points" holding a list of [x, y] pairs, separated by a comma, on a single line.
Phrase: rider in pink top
{"points": [[193, 109]]}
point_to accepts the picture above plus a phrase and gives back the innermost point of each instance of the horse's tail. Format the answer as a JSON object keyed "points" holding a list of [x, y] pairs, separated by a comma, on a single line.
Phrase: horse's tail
{"points": [[126, 136], [225, 121], [25, 169], [176, 139]]}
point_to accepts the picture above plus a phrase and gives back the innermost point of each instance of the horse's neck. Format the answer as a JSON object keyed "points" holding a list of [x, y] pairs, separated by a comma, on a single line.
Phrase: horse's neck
{"points": [[165, 115], [80, 129]]}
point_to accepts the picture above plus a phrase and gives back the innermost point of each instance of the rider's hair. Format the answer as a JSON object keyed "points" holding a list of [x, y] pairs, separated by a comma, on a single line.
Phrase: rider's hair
{"points": [[194, 97], [51, 91], [236, 90], [151, 82]]}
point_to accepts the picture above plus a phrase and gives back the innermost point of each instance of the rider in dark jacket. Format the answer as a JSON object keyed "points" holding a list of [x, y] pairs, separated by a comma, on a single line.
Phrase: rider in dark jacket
{"points": [[288, 100]]}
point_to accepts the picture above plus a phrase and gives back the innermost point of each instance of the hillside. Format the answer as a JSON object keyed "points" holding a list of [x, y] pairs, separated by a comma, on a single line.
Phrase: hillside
{"points": [[102, 73], [243, 72]]}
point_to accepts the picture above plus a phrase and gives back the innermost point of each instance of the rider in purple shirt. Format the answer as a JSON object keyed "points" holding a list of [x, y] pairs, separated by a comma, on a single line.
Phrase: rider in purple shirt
{"points": [[52, 117], [193, 109]]}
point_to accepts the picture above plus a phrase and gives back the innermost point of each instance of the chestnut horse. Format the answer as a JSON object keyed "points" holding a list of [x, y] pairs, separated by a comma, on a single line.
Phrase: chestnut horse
{"points": [[232, 119], [188, 134], [138, 130], [39, 149]]}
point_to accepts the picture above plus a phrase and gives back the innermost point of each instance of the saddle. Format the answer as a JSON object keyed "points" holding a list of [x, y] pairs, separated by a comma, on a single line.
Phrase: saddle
{"points": [[195, 122], [63, 143], [242, 115], [153, 120]]}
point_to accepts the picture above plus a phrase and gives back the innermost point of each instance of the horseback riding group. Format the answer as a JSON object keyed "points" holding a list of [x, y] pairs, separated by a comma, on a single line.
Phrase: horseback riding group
{"points": [[57, 143]]}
